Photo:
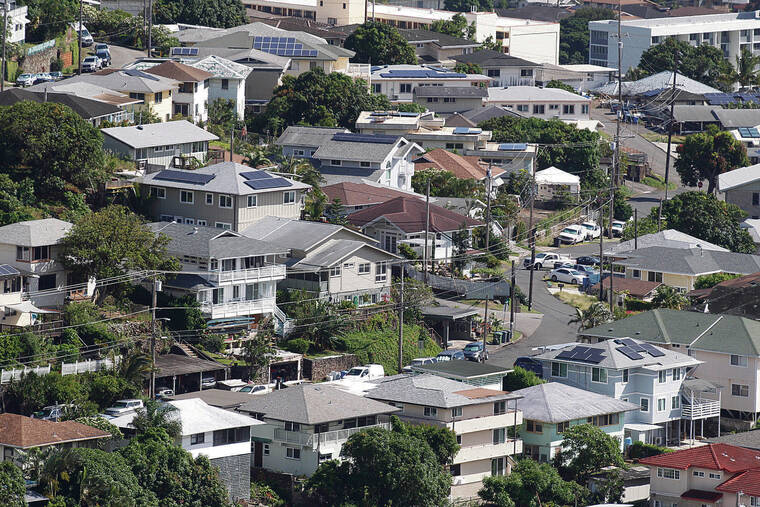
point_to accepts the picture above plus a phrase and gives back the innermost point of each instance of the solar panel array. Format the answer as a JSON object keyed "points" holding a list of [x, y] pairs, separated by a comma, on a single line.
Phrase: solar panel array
{"points": [[513, 147], [365, 138], [262, 180], [633, 350], [189, 177], [184, 51], [749, 133], [584, 354], [8, 271], [723, 99], [282, 46], [630, 353]]}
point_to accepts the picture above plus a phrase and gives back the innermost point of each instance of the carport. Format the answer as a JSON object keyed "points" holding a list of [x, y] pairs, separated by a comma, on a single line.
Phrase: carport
{"points": [[451, 323], [184, 374]]}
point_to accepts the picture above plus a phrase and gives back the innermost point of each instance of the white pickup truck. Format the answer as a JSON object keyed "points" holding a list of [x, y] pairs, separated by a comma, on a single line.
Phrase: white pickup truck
{"points": [[549, 260]]}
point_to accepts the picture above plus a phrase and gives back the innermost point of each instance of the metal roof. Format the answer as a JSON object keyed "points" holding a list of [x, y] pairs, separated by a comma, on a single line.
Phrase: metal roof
{"points": [[210, 242], [555, 402], [312, 137], [659, 81], [464, 369], [197, 416], [738, 177], [159, 134], [434, 391], [168, 365], [333, 252]]}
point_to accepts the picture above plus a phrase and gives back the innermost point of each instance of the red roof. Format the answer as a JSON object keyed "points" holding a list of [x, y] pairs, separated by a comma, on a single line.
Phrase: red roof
{"points": [[360, 194], [700, 495], [24, 432], [748, 482], [729, 458], [634, 287], [461, 167], [408, 214]]}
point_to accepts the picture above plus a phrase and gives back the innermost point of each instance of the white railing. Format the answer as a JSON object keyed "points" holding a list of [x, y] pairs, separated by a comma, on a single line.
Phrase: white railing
{"points": [[91, 365], [328, 437], [360, 70], [490, 450], [8, 375], [700, 409], [283, 323], [251, 274], [237, 308]]}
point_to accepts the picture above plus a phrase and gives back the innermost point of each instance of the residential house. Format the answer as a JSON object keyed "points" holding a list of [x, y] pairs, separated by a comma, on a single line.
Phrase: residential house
{"points": [[122, 101], [448, 100], [544, 103], [20, 434], [748, 439], [307, 425], [403, 220], [93, 111], [742, 188], [302, 142], [225, 195], [10, 298], [228, 81], [32, 247], [624, 288], [629, 370], [503, 69], [486, 375], [438, 48], [399, 82], [750, 139], [17, 21], [635, 482], [463, 167], [552, 183], [668, 238], [191, 100], [737, 296], [489, 112], [708, 475], [355, 196], [481, 418], [177, 144], [582, 77], [229, 274], [329, 261], [551, 409], [689, 91]]}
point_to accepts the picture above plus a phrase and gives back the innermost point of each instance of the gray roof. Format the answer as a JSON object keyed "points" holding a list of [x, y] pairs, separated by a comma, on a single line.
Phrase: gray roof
{"points": [[464, 369], [616, 360], [84, 107], [749, 439], [738, 177], [210, 242], [356, 151], [434, 391], [450, 91], [296, 234], [216, 397], [222, 68], [488, 113], [683, 113], [491, 58], [736, 118], [669, 238], [692, 261], [555, 402], [252, 58], [312, 137], [159, 134], [126, 81], [659, 81], [227, 180], [314, 404], [174, 364], [440, 39], [46, 231], [188, 282], [333, 252]]}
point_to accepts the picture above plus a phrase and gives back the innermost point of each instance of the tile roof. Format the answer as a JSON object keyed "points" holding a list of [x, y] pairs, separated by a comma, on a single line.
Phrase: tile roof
{"points": [[742, 282], [84, 107], [555, 402], [433, 391], [360, 194], [461, 166], [45, 231], [210, 242], [747, 482], [632, 286], [700, 495], [691, 261], [491, 58], [24, 432], [180, 72], [408, 214], [728, 458], [159, 134]]}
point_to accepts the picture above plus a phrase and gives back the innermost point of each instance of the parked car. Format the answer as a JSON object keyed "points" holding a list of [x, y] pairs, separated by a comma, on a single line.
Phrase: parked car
{"points": [[90, 64], [617, 227], [587, 260], [572, 234], [546, 259], [256, 389], [164, 393], [567, 275], [420, 361], [530, 364], [25, 79], [100, 46], [577, 267], [476, 352], [592, 230], [105, 57], [53, 412], [56, 75], [366, 372], [208, 382], [450, 355], [123, 407]]}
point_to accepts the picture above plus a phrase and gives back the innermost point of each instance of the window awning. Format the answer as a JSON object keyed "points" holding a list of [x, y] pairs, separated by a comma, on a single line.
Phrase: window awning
{"points": [[28, 307]]}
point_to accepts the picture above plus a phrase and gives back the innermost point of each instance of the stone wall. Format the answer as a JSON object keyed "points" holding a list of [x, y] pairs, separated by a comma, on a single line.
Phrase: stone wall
{"points": [[318, 368], [235, 473], [283, 484], [39, 62]]}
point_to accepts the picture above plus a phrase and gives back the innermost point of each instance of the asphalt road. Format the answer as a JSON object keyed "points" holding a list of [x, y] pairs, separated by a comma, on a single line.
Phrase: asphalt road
{"points": [[120, 56]]}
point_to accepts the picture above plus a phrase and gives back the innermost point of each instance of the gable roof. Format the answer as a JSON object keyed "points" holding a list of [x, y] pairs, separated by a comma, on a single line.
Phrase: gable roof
{"points": [[314, 137], [555, 402], [361, 194], [489, 112], [159, 134], [491, 58], [746, 482], [297, 234], [742, 282], [46, 231], [408, 214], [736, 118], [689, 261], [222, 68], [127, 80], [632, 286], [197, 416], [333, 252], [725, 457], [210, 242], [554, 176], [460, 166], [24, 432], [459, 120], [314, 404], [179, 72], [738, 177], [360, 148], [669, 238], [84, 107], [616, 360]]}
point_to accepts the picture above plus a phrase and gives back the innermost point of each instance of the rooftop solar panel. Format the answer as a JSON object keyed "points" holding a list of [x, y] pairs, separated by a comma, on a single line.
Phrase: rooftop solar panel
{"points": [[565, 354], [629, 353], [652, 350], [256, 175], [513, 147], [190, 177], [631, 344], [365, 138], [266, 183], [596, 356]]}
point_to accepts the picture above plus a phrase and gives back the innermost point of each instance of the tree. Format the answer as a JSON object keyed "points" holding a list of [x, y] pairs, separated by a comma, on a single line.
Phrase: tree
{"points": [[610, 489], [468, 5], [746, 68], [411, 107], [622, 210], [596, 314], [444, 183], [157, 415], [380, 44], [574, 33], [666, 296], [442, 441], [531, 484], [49, 18], [258, 352], [554, 83], [456, 27], [586, 449], [520, 378], [216, 13], [317, 321], [710, 281], [705, 155], [223, 115], [105, 389], [12, 486], [32, 392], [257, 158], [468, 68], [112, 242], [14, 203]]}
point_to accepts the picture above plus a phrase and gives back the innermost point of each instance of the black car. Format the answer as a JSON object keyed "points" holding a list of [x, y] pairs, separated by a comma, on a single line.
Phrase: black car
{"points": [[588, 260], [530, 364]]}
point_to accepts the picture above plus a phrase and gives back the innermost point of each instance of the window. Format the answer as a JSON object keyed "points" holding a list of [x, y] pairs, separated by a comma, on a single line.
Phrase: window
{"points": [[225, 201], [559, 370], [654, 276], [197, 438], [698, 474], [662, 376], [46, 282], [625, 375], [563, 426], [456, 412], [137, 96], [335, 162], [225, 84], [660, 404], [289, 197], [449, 99], [335, 271], [738, 360], [376, 88], [210, 199], [430, 411], [553, 107], [644, 404], [381, 272], [251, 201], [454, 146], [186, 196], [584, 109], [568, 109], [405, 88], [526, 72], [364, 164], [533, 426], [232, 435], [364, 268], [498, 466], [499, 436], [158, 192], [538, 109], [455, 470], [676, 373], [755, 198], [499, 407], [669, 473], [493, 72], [293, 453], [201, 222], [675, 402], [604, 420], [714, 476], [223, 225], [40, 253], [740, 390], [636, 274], [292, 426], [523, 108], [599, 375]]}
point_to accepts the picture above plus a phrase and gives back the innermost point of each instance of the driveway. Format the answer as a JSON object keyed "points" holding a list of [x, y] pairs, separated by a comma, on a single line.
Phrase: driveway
{"points": [[121, 56]]}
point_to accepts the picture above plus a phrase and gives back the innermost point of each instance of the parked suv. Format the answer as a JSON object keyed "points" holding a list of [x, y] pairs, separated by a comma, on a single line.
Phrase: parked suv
{"points": [[90, 64], [123, 407], [450, 355], [26, 79], [475, 352]]}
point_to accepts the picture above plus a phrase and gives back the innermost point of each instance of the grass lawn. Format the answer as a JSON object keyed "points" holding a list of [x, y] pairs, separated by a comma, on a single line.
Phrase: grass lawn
{"points": [[662, 138], [575, 300], [657, 182]]}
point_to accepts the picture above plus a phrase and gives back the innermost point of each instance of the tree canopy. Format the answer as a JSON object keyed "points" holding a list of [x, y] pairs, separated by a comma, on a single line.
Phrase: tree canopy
{"points": [[709, 281], [574, 34], [468, 68], [445, 184], [12, 486], [586, 449], [666, 296], [380, 44], [705, 155], [456, 27], [520, 378], [49, 18], [531, 484], [216, 13], [554, 83]]}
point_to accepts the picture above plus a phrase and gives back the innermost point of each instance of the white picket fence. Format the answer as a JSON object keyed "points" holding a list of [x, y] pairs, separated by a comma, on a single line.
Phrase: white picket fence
{"points": [[7, 375], [91, 365]]}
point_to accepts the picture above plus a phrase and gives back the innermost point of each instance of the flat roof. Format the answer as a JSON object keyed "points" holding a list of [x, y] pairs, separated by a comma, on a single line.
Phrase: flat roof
{"points": [[447, 312], [464, 369], [216, 397]]}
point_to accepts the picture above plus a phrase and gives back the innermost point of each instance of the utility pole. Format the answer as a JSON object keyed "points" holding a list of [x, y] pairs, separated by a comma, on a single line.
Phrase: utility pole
{"points": [[512, 304], [79, 72], [670, 136], [152, 391], [635, 229], [232, 142], [532, 239], [5, 36], [150, 27], [426, 255], [401, 324], [601, 259], [488, 250]]}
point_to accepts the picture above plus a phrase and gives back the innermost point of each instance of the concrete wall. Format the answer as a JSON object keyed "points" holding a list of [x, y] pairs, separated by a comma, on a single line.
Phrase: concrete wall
{"points": [[742, 197], [235, 473], [317, 369]]}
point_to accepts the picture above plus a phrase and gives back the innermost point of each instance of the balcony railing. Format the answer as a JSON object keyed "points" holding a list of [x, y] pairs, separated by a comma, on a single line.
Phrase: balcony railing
{"points": [[237, 308], [489, 450], [251, 274], [313, 440], [700, 409]]}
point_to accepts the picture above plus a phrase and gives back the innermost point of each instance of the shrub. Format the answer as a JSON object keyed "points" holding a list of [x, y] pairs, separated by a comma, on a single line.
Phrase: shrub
{"points": [[297, 345], [637, 305], [640, 450]]}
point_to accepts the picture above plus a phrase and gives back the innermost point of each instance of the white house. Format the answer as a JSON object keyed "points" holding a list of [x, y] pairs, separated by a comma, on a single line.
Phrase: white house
{"points": [[544, 103], [503, 69], [228, 81], [398, 82], [191, 100], [552, 181], [17, 22]]}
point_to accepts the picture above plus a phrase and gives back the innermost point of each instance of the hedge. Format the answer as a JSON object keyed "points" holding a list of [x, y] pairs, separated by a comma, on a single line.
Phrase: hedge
{"points": [[639, 450]]}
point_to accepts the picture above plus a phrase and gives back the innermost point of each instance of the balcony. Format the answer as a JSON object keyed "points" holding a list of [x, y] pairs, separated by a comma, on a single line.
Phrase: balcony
{"points": [[321, 288], [232, 309], [264, 273], [700, 409], [488, 451], [486, 422], [315, 440]]}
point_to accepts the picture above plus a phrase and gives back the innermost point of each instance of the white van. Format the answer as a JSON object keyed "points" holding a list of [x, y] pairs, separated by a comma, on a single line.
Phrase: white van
{"points": [[366, 372], [87, 39]]}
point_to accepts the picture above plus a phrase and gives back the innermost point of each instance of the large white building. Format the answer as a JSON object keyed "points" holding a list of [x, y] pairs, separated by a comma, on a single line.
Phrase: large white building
{"points": [[544, 103], [730, 32]]}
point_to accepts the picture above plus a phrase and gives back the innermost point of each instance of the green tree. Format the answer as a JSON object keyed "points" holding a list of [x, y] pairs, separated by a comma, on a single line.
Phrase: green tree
{"points": [[380, 44], [468, 68], [709, 281], [610, 490], [411, 107], [258, 352], [49, 18], [216, 13], [554, 83], [456, 27], [257, 157], [317, 321], [13, 205], [12, 486], [106, 388], [223, 116], [442, 441], [468, 5], [596, 314], [574, 33], [444, 183], [705, 155], [531, 484], [586, 449], [157, 415], [622, 210], [668, 297], [32, 392], [520, 378], [746, 68]]}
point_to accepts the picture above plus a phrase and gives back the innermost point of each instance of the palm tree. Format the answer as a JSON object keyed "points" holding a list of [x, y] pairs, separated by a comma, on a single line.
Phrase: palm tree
{"points": [[257, 158], [596, 314], [157, 415], [746, 68], [135, 367], [667, 297]]}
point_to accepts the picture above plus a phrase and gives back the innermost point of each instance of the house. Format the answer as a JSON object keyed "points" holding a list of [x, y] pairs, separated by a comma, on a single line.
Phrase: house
{"points": [[668, 238], [551, 409], [123, 101], [709, 475], [635, 482], [625, 287], [447, 100], [403, 220], [307, 425], [737, 296], [32, 248], [463, 167], [399, 82], [230, 275], [437, 48], [17, 21], [20, 434], [355, 196], [503, 69], [689, 92], [742, 188], [551, 183], [228, 81], [183, 371], [476, 374], [10, 298], [481, 418], [544, 103], [329, 261], [225, 195], [628, 370], [302, 142], [177, 144], [679, 267], [93, 111], [191, 100], [582, 77], [489, 112]]}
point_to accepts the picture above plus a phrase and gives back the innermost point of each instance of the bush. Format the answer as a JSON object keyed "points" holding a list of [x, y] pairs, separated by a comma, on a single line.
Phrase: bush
{"points": [[637, 305], [406, 251], [640, 450], [264, 494], [212, 342], [297, 345]]}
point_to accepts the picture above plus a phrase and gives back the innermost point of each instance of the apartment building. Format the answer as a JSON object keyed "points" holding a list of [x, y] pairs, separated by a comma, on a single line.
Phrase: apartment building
{"points": [[503, 69], [225, 195], [729, 32], [399, 82], [307, 424], [229, 274], [544, 103], [191, 99], [481, 418]]}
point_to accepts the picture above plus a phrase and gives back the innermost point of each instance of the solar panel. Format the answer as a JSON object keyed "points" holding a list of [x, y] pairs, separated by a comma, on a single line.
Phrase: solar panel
{"points": [[596, 356], [566, 354], [266, 183], [8, 271], [256, 175], [176, 51], [365, 138], [631, 344], [629, 353], [282, 46], [652, 350], [513, 147], [190, 177]]}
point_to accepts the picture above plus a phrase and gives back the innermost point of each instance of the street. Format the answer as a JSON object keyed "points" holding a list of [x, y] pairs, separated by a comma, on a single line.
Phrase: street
{"points": [[121, 56]]}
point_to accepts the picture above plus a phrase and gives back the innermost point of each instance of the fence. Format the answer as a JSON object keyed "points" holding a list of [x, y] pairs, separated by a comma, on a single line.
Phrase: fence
{"points": [[8, 375], [466, 289], [91, 365]]}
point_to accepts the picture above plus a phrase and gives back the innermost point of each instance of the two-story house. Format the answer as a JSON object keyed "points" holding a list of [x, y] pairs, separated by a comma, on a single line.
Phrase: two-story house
{"points": [[32, 247], [225, 195], [484, 421], [330, 261], [398, 82], [355, 196], [307, 425], [544, 103], [629, 370], [191, 99], [229, 274], [551, 409], [708, 475], [742, 188], [503, 69], [228, 81], [437, 47], [161, 145], [17, 21]]}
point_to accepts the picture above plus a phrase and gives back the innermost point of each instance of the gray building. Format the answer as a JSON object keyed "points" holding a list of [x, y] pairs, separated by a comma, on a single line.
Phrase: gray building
{"points": [[450, 99]]}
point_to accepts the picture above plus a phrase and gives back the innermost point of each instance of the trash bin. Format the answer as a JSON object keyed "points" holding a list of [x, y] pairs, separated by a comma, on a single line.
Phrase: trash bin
{"points": [[507, 337], [556, 242]]}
